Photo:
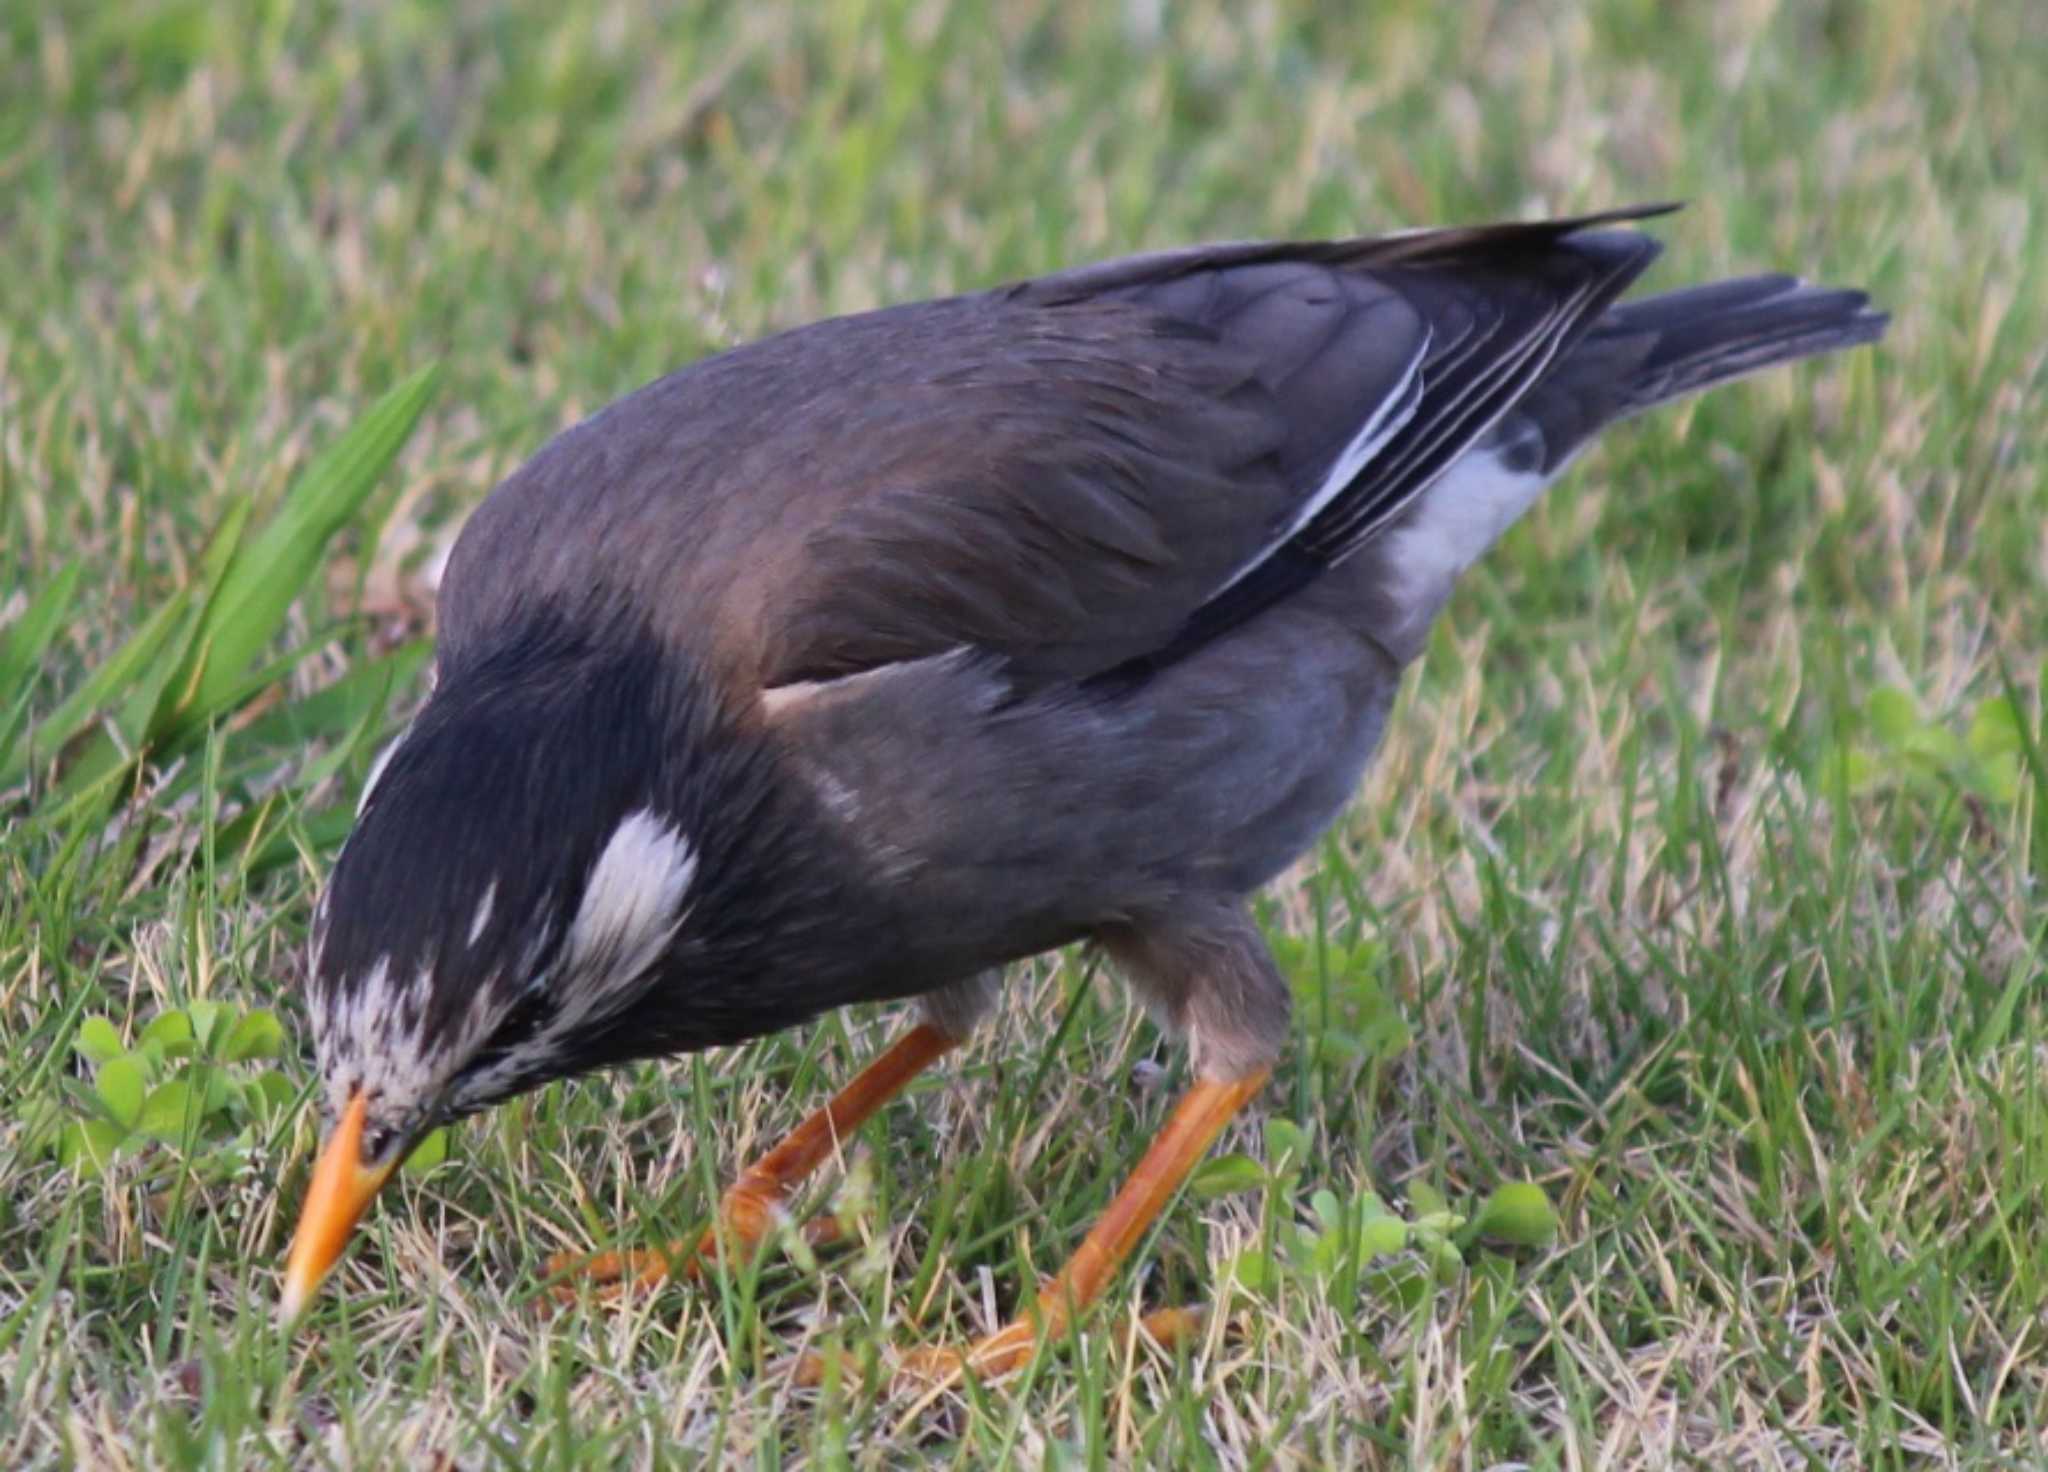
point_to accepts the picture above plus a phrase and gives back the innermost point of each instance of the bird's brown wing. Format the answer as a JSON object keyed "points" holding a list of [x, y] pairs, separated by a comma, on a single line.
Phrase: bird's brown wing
{"points": [[1090, 472]]}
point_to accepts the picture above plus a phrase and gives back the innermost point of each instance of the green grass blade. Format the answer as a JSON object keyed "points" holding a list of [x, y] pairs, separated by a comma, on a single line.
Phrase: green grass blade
{"points": [[334, 709], [29, 637], [259, 587], [25, 643], [148, 711], [2034, 758], [99, 689]]}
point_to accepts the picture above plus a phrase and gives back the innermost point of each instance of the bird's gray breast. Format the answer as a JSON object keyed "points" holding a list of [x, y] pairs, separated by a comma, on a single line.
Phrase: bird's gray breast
{"points": [[1010, 826]]}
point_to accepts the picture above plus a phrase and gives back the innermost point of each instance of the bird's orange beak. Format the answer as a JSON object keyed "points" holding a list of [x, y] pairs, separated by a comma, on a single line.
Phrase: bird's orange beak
{"points": [[342, 1188]]}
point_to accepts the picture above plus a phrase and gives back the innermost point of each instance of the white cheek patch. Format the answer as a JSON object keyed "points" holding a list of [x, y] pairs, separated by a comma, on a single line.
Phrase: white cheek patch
{"points": [[633, 901]]}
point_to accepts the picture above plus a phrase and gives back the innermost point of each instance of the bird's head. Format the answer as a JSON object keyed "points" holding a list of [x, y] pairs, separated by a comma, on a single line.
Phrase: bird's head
{"points": [[523, 872]]}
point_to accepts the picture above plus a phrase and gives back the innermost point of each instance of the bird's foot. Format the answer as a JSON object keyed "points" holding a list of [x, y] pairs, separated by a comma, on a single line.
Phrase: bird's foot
{"points": [[1187, 1132], [756, 1207]]}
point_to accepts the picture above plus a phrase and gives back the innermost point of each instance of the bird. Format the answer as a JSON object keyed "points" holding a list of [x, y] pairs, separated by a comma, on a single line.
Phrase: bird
{"points": [[853, 664]]}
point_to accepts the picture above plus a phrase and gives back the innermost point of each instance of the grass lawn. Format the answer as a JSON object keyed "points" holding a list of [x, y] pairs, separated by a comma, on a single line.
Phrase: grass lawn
{"points": [[1697, 884]]}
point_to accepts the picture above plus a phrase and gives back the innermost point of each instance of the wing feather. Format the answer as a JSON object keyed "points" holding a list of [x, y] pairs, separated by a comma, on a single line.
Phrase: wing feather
{"points": [[1084, 476]]}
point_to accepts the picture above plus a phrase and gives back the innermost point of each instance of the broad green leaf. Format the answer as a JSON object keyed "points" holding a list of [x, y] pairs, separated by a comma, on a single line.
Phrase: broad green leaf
{"points": [[1995, 729], [88, 1145], [135, 714], [1425, 1200], [1936, 745], [120, 1086], [97, 1039], [13, 718], [1849, 769], [1381, 1236], [1443, 1255], [275, 1090], [1386, 1036], [430, 1152], [169, 1110], [1519, 1213], [213, 1079], [1252, 1269], [1999, 775], [1336, 1049], [1286, 1144], [186, 734], [1224, 1175], [1368, 1204], [1400, 1284], [1438, 1223], [171, 1032], [96, 764], [255, 1034], [1326, 1253], [206, 1022], [1893, 714], [1997, 742]]}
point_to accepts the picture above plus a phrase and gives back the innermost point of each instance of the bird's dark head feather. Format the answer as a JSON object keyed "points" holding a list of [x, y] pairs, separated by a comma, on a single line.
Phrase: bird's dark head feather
{"points": [[525, 868]]}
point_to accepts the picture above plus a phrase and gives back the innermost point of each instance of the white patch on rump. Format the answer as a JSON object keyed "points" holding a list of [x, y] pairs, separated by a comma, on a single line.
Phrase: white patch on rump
{"points": [[632, 903], [1452, 524]]}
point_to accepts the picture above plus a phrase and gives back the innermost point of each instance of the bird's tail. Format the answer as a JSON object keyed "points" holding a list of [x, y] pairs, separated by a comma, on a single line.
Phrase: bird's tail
{"points": [[1706, 334], [1645, 352]]}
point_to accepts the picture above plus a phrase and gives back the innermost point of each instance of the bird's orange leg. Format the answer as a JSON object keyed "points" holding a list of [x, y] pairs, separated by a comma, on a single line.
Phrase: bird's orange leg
{"points": [[1174, 1152], [754, 1203]]}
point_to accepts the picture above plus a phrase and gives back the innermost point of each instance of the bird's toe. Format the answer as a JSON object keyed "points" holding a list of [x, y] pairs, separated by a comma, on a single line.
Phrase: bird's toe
{"points": [[616, 1274]]}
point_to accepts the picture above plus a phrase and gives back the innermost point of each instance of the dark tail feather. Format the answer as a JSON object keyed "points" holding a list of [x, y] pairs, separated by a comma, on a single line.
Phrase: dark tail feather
{"points": [[1645, 352], [1707, 334]]}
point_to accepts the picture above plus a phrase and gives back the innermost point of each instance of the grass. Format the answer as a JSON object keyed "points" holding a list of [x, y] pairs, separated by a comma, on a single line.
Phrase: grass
{"points": [[1697, 882]]}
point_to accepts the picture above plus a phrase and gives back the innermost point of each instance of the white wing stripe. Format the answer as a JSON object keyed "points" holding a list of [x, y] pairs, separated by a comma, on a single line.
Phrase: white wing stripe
{"points": [[1387, 419]]}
